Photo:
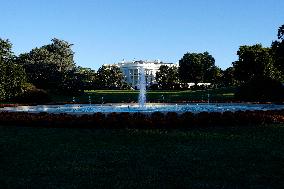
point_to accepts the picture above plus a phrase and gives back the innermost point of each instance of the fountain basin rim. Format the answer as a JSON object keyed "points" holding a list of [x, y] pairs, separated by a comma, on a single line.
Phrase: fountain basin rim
{"points": [[80, 109]]}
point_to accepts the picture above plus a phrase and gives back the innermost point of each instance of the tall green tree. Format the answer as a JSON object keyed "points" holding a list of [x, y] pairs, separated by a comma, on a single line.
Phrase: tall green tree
{"points": [[6, 53], [254, 62], [87, 76], [50, 65], [228, 77], [167, 77], [61, 54], [2, 80], [280, 34], [40, 69], [278, 51], [194, 67], [15, 80], [12, 80], [72, 83], [109, 77], [213, 75], [12, 76]]}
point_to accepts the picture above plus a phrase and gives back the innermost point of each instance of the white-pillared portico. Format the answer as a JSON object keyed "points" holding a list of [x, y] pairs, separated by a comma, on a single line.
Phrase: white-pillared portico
{"points": [[131, 71]]}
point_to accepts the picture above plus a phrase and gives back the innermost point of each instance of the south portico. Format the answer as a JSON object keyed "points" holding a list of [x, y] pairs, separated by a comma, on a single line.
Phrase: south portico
{"points": [[131, 71]]}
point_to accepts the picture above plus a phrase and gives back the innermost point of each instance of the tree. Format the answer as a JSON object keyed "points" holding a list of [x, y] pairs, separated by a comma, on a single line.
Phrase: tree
{"points": [[193, 67], [59, 53], [87, 76], [278, 51], [281, 33], [12, 76], [12, 80], [228, 78], [72, 83], [254, 61], [5, 50], [261, 89], [167, 77], [213, 75], [40, 69], [50, 65], [257, 74], [109, 77], [2, 80], [62, 54]]}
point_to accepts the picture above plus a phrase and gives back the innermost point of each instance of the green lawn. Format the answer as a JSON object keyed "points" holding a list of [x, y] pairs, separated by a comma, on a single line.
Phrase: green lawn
{"points": [[118, 96], [126, 158]]}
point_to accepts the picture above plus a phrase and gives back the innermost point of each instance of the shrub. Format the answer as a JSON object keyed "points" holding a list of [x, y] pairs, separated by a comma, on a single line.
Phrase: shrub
{"points": [[33, 95], [172, 120], [228, 118], [157, 119], [187, 120], [261, 89], [139, 120]]}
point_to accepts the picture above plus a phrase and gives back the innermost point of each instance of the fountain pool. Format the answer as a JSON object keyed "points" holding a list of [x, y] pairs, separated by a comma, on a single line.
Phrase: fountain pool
{"points": [[141, 106], [148, 108]]}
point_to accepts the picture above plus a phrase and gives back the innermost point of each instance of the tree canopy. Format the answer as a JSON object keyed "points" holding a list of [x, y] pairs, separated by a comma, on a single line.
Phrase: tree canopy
{"points": [[52, 68], [228, 77], [278, 51], [12, 76], [61, 54], [280, 34], [167, 77], [254, 61], [5, 50], [196, 67], [49, 66], [109, 77]]}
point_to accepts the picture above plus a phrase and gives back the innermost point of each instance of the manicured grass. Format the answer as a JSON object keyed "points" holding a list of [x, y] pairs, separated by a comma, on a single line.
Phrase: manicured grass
{"points": [[169, 96], [129, 158], [118, 96]]}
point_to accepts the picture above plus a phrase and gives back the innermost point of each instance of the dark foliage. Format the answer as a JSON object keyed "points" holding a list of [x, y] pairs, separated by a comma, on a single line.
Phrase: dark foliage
{"points": [[167, 78], [169, 120], [34, 95], [200, 87], [261, 89], [154, 87], [197, 67]]}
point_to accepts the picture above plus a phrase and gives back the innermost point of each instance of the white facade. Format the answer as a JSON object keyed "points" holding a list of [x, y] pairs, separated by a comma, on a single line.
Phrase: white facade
{"points": [[131, 71]]}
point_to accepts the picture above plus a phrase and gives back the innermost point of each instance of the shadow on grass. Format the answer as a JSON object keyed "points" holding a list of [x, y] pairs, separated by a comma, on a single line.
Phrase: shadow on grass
{"points": [[131, 158]]}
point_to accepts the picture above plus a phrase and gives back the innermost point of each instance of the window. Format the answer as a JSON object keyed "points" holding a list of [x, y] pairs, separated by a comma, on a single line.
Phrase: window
{"points": [[130, 72]]}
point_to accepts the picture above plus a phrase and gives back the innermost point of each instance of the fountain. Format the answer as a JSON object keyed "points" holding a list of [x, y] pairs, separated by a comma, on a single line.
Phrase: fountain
{"points": [[142, 85], [142, 107], [150, 108], [90, 100], [208, 98], [163, 98]]}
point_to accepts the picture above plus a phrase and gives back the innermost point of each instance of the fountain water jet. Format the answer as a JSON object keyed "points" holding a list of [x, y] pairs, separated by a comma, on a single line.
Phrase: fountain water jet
{"points": [[109, 108], [142, 85]]}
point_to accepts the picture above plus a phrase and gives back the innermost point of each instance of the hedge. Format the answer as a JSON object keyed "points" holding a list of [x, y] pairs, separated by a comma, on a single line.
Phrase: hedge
{"points": [[140, 120]]}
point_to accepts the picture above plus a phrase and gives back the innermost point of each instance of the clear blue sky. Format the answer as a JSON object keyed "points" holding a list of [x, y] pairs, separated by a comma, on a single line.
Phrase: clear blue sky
{"points": [[106, 31]]}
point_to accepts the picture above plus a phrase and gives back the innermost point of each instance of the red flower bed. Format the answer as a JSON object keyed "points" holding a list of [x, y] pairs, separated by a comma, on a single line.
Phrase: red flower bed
{"points": [[139, 120]]}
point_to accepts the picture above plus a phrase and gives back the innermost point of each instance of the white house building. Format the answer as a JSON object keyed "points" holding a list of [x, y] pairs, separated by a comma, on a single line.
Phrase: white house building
{"points": [[131, 71]]}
